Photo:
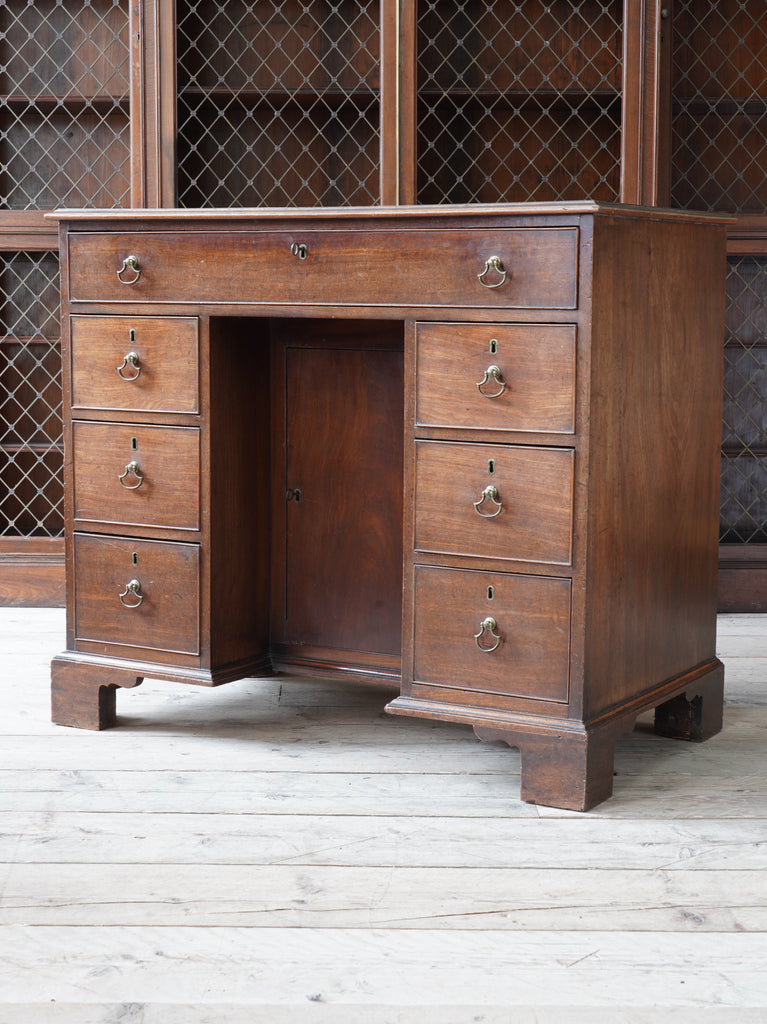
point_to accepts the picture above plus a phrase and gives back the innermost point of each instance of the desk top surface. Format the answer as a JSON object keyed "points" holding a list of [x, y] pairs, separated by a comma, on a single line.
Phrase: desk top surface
{"points": [[376, 214]]}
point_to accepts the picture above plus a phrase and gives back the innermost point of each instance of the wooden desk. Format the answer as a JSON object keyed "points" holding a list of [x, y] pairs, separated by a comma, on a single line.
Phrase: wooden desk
{"points": [[240, 489]]}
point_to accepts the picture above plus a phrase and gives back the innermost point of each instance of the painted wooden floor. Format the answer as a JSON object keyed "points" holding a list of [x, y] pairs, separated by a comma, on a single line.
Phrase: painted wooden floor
{"points": [[281, 851]]}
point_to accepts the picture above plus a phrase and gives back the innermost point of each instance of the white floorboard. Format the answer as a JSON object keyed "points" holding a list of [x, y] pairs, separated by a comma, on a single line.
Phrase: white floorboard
{"points": [[280, 850]]}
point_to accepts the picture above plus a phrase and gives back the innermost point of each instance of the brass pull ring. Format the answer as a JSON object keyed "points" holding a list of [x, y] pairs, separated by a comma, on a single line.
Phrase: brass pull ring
{"points": [[490, 493], [132, 589], [132, 469], [130, 265], [492, 373], [493, 263], [488, 625], [131, 359]]}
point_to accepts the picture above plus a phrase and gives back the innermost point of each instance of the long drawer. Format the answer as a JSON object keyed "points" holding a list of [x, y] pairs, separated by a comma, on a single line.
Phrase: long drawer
{"points": [[496, 376], [535, 268], [136, 475], [137, 593], [496, 501], [135, 363], [492, 633]]}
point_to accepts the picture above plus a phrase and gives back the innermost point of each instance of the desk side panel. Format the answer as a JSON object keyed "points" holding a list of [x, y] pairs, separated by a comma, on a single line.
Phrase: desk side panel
{"points": [[656, 394]]}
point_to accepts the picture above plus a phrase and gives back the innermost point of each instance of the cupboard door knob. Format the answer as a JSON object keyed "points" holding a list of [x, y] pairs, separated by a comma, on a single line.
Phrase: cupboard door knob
{"points": [[131, 269], [133, 593], [132, 360], [490, 494], [132, 469], [493, 263], [489, 626], [492, 373]]}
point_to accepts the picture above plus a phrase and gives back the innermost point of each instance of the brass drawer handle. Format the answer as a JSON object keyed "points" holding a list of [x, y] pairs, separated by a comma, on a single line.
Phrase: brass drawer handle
{"points": [[488, 625], [132, 469], [130, 266], [492, 373], [493, 263], [132, 589], [131, 359], [490, 493]]}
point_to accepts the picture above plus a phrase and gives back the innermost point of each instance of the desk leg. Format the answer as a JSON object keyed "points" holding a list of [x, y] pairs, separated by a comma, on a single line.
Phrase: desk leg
{"points": [[83, 696], [695, 714], [572, 770]]}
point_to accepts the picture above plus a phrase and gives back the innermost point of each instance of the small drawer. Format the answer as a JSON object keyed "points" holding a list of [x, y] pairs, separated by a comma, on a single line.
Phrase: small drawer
{"points": [[136, 475], [492, 633], [496, 376], [137, 593], [135, 363], [377, 266], [497, 501]]}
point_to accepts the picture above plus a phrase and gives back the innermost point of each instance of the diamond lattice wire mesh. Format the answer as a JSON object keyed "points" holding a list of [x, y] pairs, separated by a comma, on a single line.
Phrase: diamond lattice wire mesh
{"points": [[519, 101], [278, 103], [64, 117], [719, 91], [744, 434], [31, 461]]}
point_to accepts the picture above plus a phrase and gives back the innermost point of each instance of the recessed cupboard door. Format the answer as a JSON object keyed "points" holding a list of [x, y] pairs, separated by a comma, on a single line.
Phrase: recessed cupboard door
{"points": [[343, 495]]}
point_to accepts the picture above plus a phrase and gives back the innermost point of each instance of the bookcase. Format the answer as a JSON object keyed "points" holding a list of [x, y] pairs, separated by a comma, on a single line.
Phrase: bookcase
{"points": [[303, 103]]}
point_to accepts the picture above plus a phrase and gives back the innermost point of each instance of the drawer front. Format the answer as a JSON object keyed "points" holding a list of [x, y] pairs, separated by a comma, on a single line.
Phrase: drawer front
{"points": [[136, 475], [522, 624], [496, 376], [136, 363], [397, 267], [159, 612], [496, 501]]}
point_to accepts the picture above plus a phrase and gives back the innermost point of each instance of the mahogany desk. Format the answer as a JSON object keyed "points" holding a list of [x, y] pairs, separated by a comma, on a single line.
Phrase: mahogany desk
{"points": [[268, 414]]}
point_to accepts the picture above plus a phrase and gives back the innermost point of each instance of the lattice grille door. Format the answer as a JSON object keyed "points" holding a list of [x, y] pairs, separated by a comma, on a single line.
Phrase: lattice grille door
{"points": [[279, 103], [719, 127], [719, 162], [64, 80], [519, 101], [64, 141], [30, 398], [744, 437]]}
